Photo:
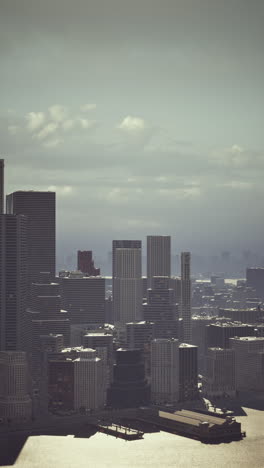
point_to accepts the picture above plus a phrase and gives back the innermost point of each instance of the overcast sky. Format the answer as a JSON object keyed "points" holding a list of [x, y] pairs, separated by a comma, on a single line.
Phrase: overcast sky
{"points": [[145, 116]]}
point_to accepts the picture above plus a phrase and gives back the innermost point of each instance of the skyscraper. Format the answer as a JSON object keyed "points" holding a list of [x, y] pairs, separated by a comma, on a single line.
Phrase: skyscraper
{"points": [[40, 209], [2, 165], [165, 370], [158, 257], [186, 296], [161, 308], [13, 281], [127, 282]]}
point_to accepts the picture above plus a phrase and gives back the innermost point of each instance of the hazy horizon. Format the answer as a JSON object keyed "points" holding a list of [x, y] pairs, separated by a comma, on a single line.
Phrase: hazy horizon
{"points": [[144, 116]]}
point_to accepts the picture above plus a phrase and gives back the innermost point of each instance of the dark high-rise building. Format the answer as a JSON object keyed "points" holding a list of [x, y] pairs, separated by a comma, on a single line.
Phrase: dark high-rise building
{"points": [[218, 334], [188, 372], [13, 282], [186, 296], [2, 195], [158, 257], [161, 309], [86, 263], [129, 388], [255, 279], [84, 298], [40, 210]]}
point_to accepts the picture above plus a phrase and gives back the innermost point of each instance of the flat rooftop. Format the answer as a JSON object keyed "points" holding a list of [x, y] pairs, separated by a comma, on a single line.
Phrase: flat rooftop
{"points": [[192, 418]]}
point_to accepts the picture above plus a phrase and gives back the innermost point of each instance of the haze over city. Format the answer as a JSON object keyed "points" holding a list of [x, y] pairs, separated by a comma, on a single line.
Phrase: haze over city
{"points": [[131, 233], [145, 117]]}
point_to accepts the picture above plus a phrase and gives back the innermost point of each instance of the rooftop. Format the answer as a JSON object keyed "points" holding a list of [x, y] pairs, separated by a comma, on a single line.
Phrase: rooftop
{"points": [[192, 418]]}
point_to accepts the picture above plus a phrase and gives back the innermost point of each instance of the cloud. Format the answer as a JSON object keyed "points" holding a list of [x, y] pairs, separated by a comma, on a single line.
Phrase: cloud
{"points": [[68, 124], [87, 107], [84, 123], [132, 124], [53, 143], [47, 130], [61, 190], [35, 120], [13, 129], [58, 113]]}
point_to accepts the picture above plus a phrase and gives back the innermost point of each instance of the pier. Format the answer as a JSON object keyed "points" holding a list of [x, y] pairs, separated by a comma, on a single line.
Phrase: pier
{"points": [[122, 432]]}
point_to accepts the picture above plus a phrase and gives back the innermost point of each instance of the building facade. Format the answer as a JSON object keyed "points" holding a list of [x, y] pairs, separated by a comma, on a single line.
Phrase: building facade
{"points": [[186, 296], [15, 401], [164, 371], [40, 208], [127, 282], [13, 282], [158, 257]]}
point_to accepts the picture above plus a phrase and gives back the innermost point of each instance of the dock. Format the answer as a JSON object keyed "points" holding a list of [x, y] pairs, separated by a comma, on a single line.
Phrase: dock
{"points": [[119, 431]]}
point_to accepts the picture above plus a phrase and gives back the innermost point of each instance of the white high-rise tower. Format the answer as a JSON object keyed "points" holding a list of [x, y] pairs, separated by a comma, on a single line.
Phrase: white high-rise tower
{"points": [[127, 283]]}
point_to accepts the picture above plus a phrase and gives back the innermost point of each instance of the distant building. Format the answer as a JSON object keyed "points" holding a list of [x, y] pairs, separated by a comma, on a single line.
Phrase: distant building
{"points": [[127, 281], [186, 296], [39, 207], [249, 362], [2, 193], [255, 279], [242, 315], [219, 378], [164, 371], [188, 372], [15, 401], [86, 263], [158, 257]]}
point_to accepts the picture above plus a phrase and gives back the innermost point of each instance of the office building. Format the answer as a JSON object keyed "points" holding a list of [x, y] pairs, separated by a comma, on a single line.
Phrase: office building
{"points": [[158, 257], [245, 315], [84, 298], [161, 309], [199, 324], [76, 380], [164, 371], [2, 192], [139, 334], [188, 372], [186, 296], [13, 282], [249, 362], [89, 381], [127, 281], [255, 279], [15, 401], [129, 388], [39, 207], [219, 376], [85, 263], [218, 333]]}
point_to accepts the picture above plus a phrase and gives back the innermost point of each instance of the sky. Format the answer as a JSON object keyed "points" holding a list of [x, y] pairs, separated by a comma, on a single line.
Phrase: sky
{"points": [[146, 117]]}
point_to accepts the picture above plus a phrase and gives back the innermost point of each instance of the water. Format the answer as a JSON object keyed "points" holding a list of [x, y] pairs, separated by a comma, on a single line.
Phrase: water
{"points": [[156, 450]]}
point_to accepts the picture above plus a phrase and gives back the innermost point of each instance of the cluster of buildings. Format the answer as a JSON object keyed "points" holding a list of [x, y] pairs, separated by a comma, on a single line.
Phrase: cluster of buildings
{"points": [[78, 341]]}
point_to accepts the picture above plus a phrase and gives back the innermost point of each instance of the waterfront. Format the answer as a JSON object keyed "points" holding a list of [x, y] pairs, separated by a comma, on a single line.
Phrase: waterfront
{"points": [[156, 450]]}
